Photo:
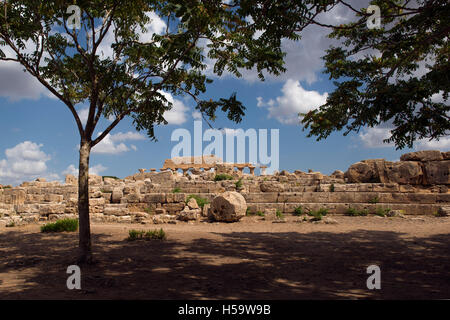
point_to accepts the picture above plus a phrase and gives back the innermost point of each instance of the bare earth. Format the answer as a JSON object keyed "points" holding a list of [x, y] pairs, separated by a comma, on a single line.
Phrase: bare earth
{"points": [[251, 259]]}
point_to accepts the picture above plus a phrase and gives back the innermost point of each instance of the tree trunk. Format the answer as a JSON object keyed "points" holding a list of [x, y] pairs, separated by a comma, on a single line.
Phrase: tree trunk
{"points": [[85, 254]]}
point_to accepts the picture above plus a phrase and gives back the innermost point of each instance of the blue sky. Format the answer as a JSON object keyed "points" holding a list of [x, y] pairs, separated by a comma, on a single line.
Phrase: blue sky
{"points": [[39, 136]]}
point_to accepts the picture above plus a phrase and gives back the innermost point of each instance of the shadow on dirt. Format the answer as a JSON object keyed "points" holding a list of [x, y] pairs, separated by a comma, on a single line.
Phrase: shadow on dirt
{"points": [[315, 265]]}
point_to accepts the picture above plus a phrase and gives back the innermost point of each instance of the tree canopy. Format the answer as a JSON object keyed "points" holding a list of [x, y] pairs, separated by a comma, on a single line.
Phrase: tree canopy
{"points": [[397, 75]]}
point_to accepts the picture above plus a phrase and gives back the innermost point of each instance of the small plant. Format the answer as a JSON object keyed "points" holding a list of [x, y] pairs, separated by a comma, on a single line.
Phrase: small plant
{"points": [[356, 213], [223, 176], [176, 190], [105, 191], [146, 235], [11, 224], [200, 201], [149, 210], [265, 179], [259, 213], [439, 214], [112, 177], [382, 212], [69, 225], [279, 214], [248, 212], [238, 184], [318, 215], [298, 211], [374, 200], [332, 187]]}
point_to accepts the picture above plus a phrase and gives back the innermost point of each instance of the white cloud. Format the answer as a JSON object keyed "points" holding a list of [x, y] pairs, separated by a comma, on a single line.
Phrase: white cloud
{"points": [[295, 99], [197, 115], [97, 169], [110, 144], [25, 162], [176, 115], [443, 144], [373, 137]]}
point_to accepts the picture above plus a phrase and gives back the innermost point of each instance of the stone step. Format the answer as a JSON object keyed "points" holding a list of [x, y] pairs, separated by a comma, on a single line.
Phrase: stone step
{"points": [[341, 208]]}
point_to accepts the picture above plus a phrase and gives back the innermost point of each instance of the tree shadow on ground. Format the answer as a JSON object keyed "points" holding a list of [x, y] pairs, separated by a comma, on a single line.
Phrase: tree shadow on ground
{"points": [[236, 265]]}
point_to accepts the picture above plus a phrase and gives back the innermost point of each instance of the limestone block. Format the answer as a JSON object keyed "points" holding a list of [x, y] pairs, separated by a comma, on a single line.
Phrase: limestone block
{"points": [[405, 172], [116, 210], [116, 195], [71, 180], [437, 172], [427, 155], [271, 186], [228, 207], [155, 198], [51, 208], [173, 208], [53, 198]]}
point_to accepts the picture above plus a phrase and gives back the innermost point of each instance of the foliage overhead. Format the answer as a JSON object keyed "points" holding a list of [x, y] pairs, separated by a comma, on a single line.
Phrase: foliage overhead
{"points": [[379, 73], [134, 80]]}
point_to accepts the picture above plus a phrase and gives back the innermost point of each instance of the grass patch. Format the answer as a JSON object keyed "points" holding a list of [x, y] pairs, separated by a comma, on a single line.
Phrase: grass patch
{"points": [[200, 201], [105, 191], [298, 211], [352, 212], [176, 190], [146, 235], [11, 224], [112, 177], [279, 214], [332, 187], [439, 214], [223, 176], [382, 212], [238, 184], [374, 200], [69, 225], [318, 214]]}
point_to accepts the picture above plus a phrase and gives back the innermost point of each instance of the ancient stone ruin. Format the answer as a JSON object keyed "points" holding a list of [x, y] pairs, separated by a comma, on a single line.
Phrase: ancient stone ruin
{"points": [[418, 184]]}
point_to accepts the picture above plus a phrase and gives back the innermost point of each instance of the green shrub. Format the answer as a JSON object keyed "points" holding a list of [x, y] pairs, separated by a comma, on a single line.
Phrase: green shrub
{"points": [[146, 235], [260, 213], [105, 191], [374, 200], [279, 214], [149, 210], [200, 201], [11, 224], [356, 213], [223, 176], [68, 225], [239, 184], [332, 187], [298, 211], [176, 190], [381, 212], [439, 214], [112, 177]]}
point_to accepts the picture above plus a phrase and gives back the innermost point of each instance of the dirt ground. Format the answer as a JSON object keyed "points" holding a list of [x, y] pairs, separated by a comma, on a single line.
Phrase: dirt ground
{"points": [[252, 259]]}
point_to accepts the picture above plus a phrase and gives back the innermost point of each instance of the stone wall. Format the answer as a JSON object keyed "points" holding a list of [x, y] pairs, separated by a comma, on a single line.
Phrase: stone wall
{"points": [[418, 184]]}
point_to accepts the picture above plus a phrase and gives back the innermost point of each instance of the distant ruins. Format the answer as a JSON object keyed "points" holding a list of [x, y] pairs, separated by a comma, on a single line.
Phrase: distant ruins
{"points": [[418, 184]]}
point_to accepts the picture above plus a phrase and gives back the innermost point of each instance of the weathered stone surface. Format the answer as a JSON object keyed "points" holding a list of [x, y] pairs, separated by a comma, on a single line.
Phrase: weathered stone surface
{"points": [[426, 155], [405, 172], [189, 214], [271, 186], [72, 180], [228, 207], [116, 210], [162, 177], [437, 172], [95, 179], [116, 195], [360, 172], [192, 204]]}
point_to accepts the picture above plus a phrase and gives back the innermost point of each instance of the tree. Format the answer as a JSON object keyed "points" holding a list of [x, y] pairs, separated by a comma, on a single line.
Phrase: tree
{"points": [[133, 80], [377, 78]]}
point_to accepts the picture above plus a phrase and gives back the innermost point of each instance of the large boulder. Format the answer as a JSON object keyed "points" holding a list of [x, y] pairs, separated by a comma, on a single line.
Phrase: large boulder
{"points": [[437, 172], [229, 206], [361, 172], [426, 155], [404, 172]]}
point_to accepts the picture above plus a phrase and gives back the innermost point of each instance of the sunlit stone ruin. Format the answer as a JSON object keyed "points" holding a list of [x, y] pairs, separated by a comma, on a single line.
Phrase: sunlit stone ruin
{"points": [[207, 189]]}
